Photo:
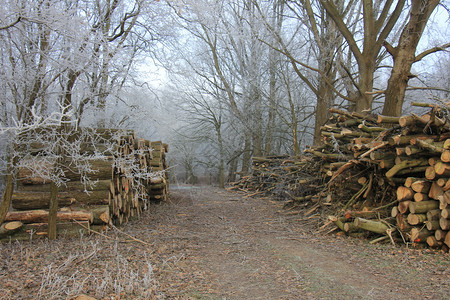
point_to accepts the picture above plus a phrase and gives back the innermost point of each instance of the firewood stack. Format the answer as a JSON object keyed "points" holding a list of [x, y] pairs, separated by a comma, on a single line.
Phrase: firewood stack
{"points": [[121, 189], [387, 176], [405, 157], [159, 183]]}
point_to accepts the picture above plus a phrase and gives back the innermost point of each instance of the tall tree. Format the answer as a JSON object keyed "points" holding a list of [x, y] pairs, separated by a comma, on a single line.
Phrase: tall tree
{"points": [[404, 55], [378, 20]]}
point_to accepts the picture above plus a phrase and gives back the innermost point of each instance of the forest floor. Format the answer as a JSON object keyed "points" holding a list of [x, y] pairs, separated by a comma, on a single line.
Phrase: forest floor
{"points": [[207, 243]]}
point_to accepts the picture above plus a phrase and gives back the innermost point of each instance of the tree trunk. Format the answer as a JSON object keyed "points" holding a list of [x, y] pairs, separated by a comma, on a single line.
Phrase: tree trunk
{"points": [[246, 156], [404, 55]]}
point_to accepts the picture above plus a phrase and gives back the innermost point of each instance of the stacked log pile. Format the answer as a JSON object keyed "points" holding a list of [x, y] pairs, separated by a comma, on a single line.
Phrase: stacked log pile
{"points": [[407, 158], [120, 189], [387, 177], [159, 184]]}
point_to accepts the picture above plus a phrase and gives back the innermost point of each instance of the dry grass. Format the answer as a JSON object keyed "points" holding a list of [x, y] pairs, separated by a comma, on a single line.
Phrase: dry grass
{"points": [[101, 268]]}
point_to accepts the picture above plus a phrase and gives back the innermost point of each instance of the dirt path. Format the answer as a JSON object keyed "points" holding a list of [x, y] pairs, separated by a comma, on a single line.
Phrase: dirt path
{"points": [[222, 245], [207, 243]]}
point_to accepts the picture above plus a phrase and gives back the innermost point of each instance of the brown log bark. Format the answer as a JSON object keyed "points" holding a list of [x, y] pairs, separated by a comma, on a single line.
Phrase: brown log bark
{"points": [[434, 215], [404, 165], [430, 145], [41, 216], [40, 230], [52, 211], [423, 206], [40, 200], [387, 119], [370, 225], [402, 223], [432, 225], [101, 185], [103, 170], [101, 214]]}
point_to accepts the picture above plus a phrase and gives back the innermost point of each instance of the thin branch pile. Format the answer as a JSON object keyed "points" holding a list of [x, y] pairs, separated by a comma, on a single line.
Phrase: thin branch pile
{"points": [[121, 174]]}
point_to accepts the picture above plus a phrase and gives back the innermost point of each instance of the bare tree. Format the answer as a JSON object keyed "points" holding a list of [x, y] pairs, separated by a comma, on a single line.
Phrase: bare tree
{"points": [[404, 55]]}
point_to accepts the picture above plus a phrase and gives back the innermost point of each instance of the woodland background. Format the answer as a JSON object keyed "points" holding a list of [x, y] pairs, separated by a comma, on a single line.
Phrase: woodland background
{"points": [[220, 81]]}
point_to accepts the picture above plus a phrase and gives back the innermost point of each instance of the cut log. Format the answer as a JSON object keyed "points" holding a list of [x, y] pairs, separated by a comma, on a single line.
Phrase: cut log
{"points": [[439, 234], [444, 223], [430, 146], [402, 223], [39, 200], [101, 214], [447, 239], [416, 219], [410, 180], [419, 235], [420, 197], [434, 215], [394, 212], [387, 119], [446, 187], [10, 228], [442, 169], [432, 225], [350, 227], [403, 165], [40, 230], [102, 170], [403, 206], [41, 216], [100, 185], [445, 156], [423, 206], [447, 144], [370, 225], [445, 213], [432, 242], [404, 193], [421, 186], [441, 182], [430, 174], [436, 192]]}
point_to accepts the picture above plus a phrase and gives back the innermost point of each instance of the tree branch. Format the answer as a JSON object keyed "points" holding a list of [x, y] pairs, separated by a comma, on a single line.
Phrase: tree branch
{"points": [[430, 51], [12, 24]]}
